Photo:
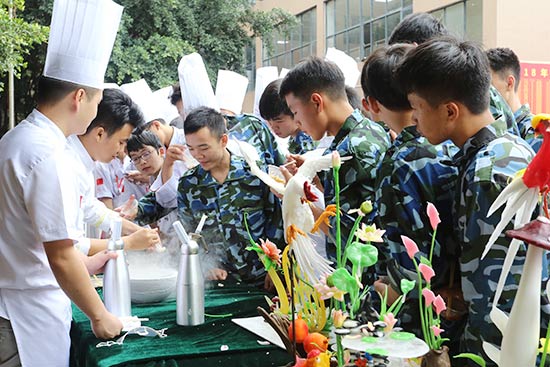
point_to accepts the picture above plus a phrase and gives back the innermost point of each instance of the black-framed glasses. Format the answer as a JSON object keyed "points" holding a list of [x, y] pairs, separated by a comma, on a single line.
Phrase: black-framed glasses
{"points": [[145, 156]]}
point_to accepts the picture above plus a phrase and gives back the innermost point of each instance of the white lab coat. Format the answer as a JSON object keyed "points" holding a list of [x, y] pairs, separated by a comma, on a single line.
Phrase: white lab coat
{"points": [[38, 203]]}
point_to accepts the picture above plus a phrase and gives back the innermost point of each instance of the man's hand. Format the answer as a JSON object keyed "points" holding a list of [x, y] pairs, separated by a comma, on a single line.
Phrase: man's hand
{"points": [[106, 326], [129, 209], [175, 152], [137, 177], [381, 286], [96, 263], [216, 274], [142, 239]]}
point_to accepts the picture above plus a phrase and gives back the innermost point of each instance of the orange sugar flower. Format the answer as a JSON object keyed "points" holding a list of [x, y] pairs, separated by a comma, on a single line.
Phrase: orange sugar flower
{"points": [[271, 251]]}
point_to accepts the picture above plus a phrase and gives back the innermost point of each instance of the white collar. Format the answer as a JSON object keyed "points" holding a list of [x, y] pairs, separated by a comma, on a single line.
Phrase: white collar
{"points": [[83, 155], [39, 119]]}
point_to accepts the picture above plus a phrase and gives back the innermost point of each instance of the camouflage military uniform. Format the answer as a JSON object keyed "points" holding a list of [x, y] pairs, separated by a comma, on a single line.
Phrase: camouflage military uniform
{"points": [[252, 130], [149, 210], [412, 174], [301, 143], [523, 118], [500, 109], [225, 205], [487, 162], [365, 142]]}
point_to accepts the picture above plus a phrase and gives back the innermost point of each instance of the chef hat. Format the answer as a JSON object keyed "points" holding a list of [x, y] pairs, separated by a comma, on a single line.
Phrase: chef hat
{"points": [[111, 86], [283, 73], [162, 98], [231, 90], [142, 95], [196, 89], [346, 63], [264, 76], [82, 34]]}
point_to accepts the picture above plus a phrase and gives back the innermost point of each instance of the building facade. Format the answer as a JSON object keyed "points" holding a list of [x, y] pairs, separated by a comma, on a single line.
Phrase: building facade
{"points": [[360, 26]]}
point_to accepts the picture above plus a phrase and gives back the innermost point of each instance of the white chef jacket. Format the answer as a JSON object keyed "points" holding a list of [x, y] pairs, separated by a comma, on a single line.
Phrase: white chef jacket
{"points": [[38, 203], [166, 194]]}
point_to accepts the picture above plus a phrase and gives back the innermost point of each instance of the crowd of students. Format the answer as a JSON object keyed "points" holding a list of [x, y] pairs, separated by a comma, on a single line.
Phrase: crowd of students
{"points": [[440, 122]]}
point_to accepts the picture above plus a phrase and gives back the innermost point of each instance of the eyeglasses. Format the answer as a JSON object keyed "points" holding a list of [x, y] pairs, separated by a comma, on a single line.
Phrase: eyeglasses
{"points": [[145, 156]]}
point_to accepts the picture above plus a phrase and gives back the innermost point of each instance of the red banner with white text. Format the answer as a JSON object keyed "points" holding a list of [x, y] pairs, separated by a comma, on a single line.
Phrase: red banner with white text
{"points": [[534, 86]]}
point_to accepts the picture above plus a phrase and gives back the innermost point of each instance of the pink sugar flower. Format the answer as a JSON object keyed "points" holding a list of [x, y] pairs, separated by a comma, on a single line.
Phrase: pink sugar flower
{"points": [[433, 214], [410, 245], [427, 272], [390, 321], [437, 331], [439, 305], [429, 296]]}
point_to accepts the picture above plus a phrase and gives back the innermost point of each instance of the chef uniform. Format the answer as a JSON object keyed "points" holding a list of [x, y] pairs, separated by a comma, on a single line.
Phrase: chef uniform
{"points": [[39, 198]]}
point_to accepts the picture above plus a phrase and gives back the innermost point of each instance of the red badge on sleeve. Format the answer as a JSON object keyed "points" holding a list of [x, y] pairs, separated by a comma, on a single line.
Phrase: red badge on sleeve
{"points": [[99, 181]]}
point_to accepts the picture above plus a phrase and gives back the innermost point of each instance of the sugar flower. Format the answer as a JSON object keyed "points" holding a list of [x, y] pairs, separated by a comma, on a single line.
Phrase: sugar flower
{"points": [[436, 330], [336, 161], [429, 296], [410, 245], [433, 214], [390, 321], [327, 291], [370, 233], [427, 272], [271, 250], [439, 305], [338, 318], [364, 209]]}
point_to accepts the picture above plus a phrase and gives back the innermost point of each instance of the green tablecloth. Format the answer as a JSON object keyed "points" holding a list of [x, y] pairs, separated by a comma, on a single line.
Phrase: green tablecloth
{"points": [[184, 346]]}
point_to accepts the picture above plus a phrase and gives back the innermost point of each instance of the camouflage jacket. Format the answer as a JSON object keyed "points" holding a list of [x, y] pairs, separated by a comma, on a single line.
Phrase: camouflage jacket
{"points": [[301, 143], [413, 173], [365, 142], [523, 118], [149, 210], [487, 162], [252, 130], [226, 204], [500, 110]]}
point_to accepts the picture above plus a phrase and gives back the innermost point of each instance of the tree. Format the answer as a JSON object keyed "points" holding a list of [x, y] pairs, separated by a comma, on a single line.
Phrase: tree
{"points": [[155, 34]]}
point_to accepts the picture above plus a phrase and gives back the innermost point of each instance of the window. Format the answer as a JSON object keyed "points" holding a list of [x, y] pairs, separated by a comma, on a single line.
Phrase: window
{"points": [[358, 27], [250, 64], [463, 19], [288, 50]]}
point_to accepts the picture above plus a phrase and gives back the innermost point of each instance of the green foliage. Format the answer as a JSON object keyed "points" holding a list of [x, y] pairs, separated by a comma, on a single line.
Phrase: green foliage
{"points": [[477, 359], [16, 37], [153, 36]]}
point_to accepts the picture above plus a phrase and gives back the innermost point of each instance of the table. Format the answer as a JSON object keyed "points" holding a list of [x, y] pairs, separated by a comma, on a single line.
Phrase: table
{"points": [[184, 346]]}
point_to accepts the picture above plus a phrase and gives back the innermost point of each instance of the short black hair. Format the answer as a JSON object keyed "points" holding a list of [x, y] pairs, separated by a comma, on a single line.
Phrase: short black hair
{"points": [[417, 28], [354, 98], [271, 104], [115, 110], [205, 117], [140, 141], [175, 96], [314, 75], [504, 61], [446, 69], [51, 91], [378, 79]]}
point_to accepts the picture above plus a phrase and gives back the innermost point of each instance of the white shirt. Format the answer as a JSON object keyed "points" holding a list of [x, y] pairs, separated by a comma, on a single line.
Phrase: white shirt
{"points": [[38, 202], [93, 212]]}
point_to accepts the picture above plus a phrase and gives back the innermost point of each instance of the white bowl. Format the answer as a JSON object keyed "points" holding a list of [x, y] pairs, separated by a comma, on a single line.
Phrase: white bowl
{"points": [[152, 286]]}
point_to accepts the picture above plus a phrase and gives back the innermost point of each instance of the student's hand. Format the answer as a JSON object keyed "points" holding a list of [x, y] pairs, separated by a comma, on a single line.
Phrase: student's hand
{"points": [[268, 284], [287, 175], [216, 274], [129, 209], [381, 286], [137, 177], [175, 152], [107, 326], [96, 263], [142, 239], [296, 158]]}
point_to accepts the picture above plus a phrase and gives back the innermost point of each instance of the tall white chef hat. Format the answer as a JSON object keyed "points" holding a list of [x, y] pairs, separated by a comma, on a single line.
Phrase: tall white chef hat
{"points": [[264, 76], [231, 90], [196, 89], [142, 95], [82, 34], [346, 63], [168, 110]]}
